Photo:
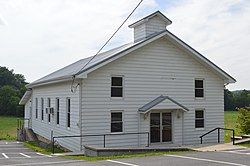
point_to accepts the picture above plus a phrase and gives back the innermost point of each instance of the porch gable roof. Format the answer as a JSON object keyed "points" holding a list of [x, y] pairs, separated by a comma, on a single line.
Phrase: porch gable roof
{"points": [[144, 109]]}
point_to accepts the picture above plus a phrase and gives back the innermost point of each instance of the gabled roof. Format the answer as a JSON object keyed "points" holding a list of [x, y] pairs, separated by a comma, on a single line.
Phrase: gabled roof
{"points": [[70, 70], [157, 13], [102, 59], [147, 107], [25, 97], [67, 72]]}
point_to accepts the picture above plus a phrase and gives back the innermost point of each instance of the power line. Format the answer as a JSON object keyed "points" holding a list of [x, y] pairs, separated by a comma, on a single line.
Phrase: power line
{"points": [[73, 77]]}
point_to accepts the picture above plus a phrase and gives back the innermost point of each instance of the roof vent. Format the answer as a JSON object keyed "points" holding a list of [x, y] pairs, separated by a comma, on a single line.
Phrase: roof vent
{"points": [[150, 25]]}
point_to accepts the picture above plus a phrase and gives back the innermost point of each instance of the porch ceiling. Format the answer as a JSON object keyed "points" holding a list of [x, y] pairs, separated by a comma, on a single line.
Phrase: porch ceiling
{"points": [[147, 107]]}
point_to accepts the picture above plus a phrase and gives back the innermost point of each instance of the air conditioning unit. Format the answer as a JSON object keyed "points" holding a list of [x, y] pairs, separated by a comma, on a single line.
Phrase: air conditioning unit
{"points": [[47, 110], [51, 110]]}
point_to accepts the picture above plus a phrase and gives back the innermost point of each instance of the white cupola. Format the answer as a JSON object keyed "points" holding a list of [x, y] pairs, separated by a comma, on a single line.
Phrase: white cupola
{"points": [[150, 25]]}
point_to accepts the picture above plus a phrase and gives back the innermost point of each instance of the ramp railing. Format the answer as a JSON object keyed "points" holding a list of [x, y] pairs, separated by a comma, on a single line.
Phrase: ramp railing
{"points": [[218, 130], [53, 138]]}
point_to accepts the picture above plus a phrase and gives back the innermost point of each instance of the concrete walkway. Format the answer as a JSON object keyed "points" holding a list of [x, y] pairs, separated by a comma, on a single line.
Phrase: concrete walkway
{"points": [[219, 147]]}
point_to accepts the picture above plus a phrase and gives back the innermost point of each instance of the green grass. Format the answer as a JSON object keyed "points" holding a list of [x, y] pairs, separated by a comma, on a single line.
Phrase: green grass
{"points": [[35, 146], [144, 154], [247, 144], [231, 122], [8, 128]]}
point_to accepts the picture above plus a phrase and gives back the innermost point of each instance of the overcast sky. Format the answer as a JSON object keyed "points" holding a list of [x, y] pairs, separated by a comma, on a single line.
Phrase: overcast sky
{"points": [[38, 37]]}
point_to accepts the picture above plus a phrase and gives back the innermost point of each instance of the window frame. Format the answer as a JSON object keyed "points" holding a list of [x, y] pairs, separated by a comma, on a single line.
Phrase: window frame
{"points": [[36, 108], [116, 111], [68, 112], [199, 79], [113, 97], [48, 106], [57, 103], [204, 117], [42, 109]]}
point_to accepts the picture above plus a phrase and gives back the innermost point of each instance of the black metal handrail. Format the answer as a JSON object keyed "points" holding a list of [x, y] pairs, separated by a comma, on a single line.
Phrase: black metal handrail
{"points": [[219, 128], [94, 135]]}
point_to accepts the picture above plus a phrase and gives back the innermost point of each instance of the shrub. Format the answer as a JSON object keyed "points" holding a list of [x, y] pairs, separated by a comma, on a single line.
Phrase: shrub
{"points": [[243, 121]]}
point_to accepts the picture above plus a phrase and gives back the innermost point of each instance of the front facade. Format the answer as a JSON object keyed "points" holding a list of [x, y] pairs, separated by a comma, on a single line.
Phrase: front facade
{"points": [[157, 84]]}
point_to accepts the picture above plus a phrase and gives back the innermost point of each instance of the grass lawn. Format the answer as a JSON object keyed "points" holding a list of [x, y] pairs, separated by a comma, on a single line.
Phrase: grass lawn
{"points": [[143, 154], [8, 128], [245, 144], [230, 122], [35, 147]]}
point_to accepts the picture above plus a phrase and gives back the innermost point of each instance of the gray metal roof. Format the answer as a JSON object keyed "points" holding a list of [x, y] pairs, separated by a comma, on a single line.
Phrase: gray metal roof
{"points": [[158, 100], [76, 68], [72, 69], [158, 13]]}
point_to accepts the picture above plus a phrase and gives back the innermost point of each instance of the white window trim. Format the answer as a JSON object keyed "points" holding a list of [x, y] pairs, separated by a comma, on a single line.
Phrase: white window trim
{"points": [[204, 88], [42, 109], [57, 98], [123, 83], [48, 106], [36, 108], [204, 117], [68, 98], [117, 111]]}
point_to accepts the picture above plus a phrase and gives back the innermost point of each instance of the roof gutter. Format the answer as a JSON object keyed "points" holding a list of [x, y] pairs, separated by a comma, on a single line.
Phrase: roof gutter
{"points": [[53, 81]]}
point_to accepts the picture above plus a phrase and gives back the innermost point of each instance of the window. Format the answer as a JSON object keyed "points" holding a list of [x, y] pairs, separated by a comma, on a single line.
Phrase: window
{"points": [[68, 112], [199, 118], [48, 105], [116, 87], [42, 109], [116, 122], [57, 110], [36, 108], [199, 88]]}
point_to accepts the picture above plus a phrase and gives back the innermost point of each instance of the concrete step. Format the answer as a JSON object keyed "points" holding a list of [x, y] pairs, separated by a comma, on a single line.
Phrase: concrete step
{"points": [[245, 136], [242, 141], [236, 138]]}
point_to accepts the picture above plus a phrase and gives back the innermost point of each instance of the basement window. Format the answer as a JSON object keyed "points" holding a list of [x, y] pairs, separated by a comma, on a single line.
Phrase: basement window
{"points": [[116, 122], [199, 88], [199, 118], [116, 86]]}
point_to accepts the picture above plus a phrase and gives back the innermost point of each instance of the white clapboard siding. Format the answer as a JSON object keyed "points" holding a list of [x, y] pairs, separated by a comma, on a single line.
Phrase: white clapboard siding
{"points": [[159, 68], [152, 26], [43, 128]]}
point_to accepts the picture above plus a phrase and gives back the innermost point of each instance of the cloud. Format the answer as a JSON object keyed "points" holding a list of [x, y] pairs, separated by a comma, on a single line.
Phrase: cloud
{"points": [[45, 35], [3, 21], [220, 30]]}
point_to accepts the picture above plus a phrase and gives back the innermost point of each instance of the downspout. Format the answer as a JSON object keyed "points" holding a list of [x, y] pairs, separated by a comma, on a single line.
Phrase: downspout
{"points": [[139, 128], [80, 112], [182, 127]]}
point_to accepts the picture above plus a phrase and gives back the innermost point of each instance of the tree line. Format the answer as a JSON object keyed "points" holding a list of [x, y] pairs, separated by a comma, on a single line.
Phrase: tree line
{"points": [[12, 88], [236, 99]]}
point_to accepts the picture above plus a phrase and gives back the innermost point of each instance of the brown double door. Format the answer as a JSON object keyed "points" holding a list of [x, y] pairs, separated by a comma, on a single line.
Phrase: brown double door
{"points": [[160, 127]]}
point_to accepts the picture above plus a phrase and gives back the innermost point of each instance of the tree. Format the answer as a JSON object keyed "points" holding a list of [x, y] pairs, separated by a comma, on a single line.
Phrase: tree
{"points": [[8, 100], [12, 88], [236, 99], [243, 121]]}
